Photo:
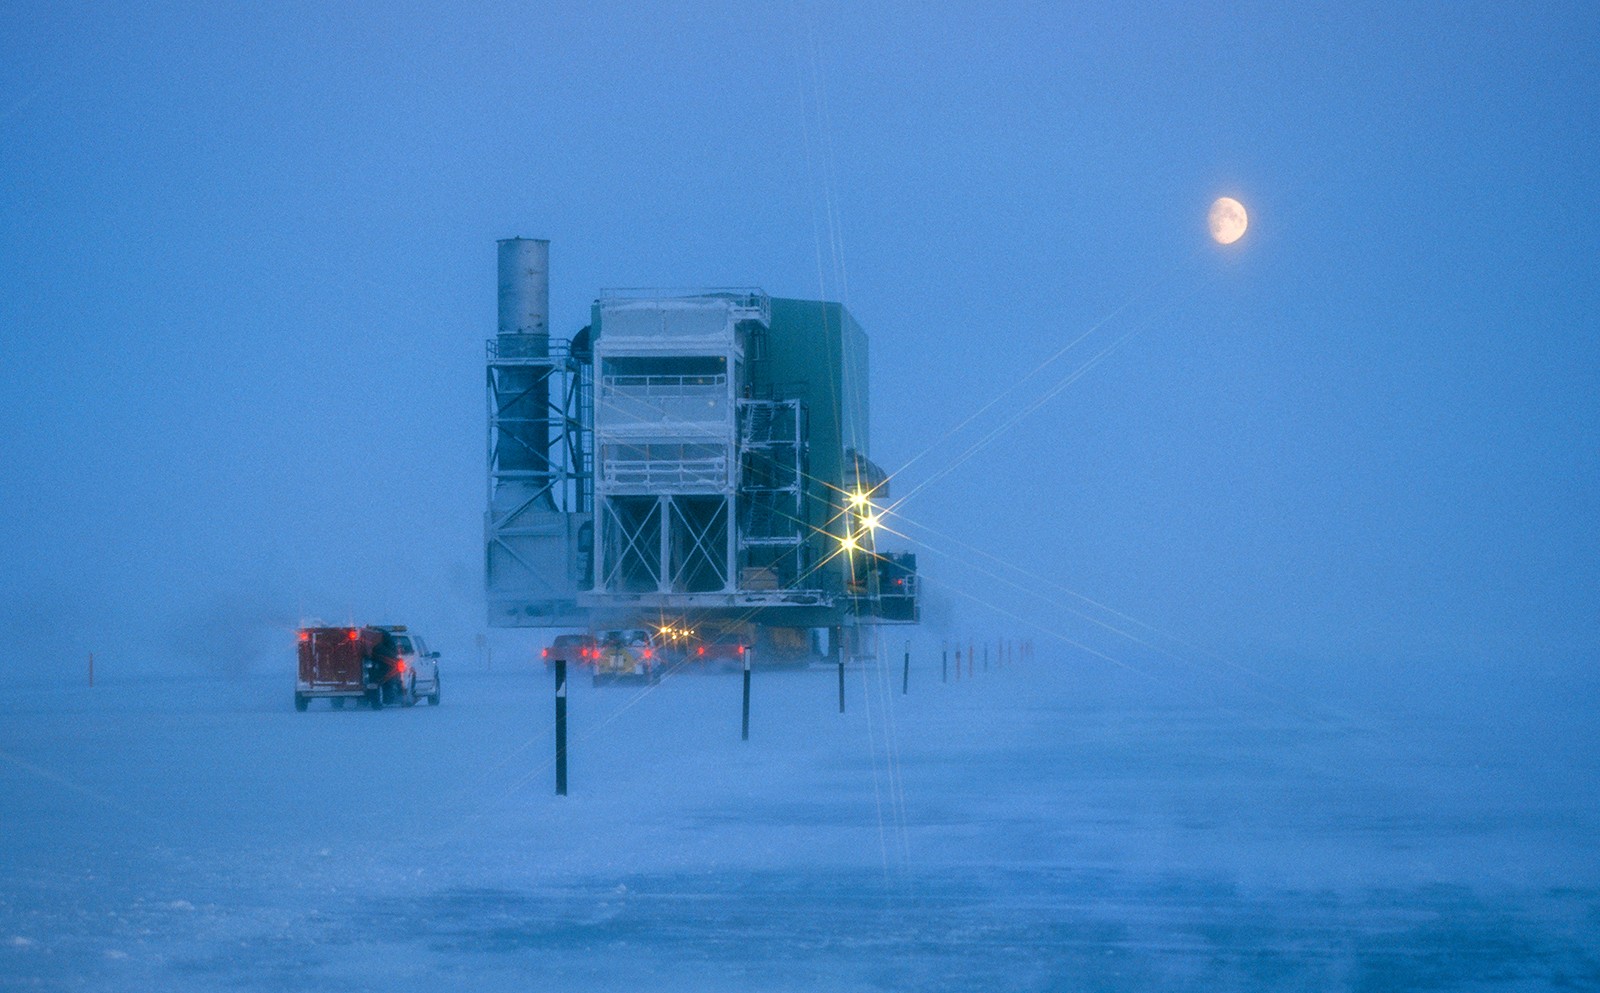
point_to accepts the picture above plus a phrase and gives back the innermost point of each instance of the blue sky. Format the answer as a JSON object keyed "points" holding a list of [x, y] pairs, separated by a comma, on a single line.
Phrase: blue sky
{"points": [[249, 267]]}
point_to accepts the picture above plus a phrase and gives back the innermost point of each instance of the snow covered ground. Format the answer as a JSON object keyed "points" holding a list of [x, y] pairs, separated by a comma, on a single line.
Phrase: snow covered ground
{"points": [[1046, 826]]}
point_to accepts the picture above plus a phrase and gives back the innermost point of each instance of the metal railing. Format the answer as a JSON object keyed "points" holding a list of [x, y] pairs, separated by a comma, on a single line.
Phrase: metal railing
{"points": [[747, 302], [656, 473], [664, 386], [514, 350]]}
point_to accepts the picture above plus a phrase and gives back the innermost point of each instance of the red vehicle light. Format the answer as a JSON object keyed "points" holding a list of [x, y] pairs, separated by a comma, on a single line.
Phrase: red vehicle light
{"points": [[701, 650], [355, 635], [741, 649], [305, 635], [649, 653], [400, 666], [544, 653]]}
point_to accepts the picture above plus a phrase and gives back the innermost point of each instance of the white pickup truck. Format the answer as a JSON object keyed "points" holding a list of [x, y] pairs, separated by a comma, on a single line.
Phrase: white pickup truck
{"points": [[416, 670]]}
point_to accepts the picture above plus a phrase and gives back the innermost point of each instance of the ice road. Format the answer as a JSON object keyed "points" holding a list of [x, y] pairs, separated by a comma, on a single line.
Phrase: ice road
{"points": [[1048, 827]]}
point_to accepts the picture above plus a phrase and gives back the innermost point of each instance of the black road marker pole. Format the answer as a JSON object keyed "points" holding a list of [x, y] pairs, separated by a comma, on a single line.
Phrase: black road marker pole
{"points": [[986, 656], [744, 732], [944, 664], [561, 727], [841, 683], [905, 672]]}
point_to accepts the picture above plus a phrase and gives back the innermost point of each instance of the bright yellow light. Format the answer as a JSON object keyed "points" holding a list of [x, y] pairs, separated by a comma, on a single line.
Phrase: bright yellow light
{"points": [[849, 544], [858, 499], [871, 521]]}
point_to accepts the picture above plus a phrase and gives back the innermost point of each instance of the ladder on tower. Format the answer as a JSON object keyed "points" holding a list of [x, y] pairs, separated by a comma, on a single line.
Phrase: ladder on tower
{"points": [[772, 525]]}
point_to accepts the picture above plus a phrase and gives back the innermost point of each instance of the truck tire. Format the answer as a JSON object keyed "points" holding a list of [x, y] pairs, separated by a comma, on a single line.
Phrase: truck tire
{"points": [[433, 698], [338, 702], [300, 702], [375, 697], [408, 693]]}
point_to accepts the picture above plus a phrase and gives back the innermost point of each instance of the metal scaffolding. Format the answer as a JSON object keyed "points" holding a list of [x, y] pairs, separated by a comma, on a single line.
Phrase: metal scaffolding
{"points": [[773, 525], [539, 528]]}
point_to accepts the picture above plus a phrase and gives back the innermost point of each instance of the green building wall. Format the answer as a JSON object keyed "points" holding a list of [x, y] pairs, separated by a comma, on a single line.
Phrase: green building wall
{"points": [[816, 351]]}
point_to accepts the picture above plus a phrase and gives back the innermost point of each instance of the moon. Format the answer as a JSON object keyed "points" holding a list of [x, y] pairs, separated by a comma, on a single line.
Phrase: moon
{"points": [[1228, 220]]}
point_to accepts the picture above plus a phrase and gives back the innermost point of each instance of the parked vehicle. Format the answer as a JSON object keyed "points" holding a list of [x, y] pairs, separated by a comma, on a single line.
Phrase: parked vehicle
{"points": [[724, 652], [412, 670], [377, 665], [626, 656], [577, 649], [721, 646]]}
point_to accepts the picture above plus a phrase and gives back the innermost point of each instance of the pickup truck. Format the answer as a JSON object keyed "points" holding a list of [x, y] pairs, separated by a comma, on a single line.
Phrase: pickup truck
{"points": [[626, 656], [376, 665]]}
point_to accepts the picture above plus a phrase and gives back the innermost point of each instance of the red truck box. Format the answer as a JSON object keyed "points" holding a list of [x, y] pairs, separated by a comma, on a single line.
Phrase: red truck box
{"points": [[338, 664]]}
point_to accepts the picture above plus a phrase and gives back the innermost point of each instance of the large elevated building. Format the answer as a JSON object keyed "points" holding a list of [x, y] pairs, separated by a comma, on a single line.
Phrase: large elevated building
{"points": [[699, 457]]}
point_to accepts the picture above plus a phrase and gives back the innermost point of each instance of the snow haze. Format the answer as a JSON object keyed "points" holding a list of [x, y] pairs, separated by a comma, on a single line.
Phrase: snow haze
{"points": [[1303, 527]]}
